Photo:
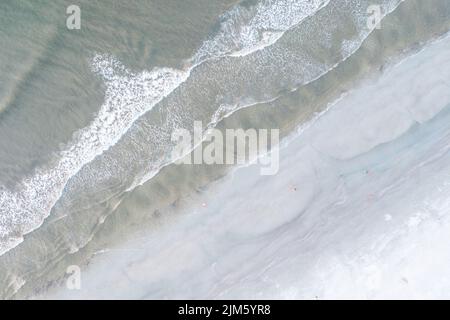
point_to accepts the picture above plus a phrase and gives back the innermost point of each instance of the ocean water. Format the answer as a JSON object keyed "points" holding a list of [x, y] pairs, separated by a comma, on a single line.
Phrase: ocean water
{"points": [[130, 95], [86, 116]]}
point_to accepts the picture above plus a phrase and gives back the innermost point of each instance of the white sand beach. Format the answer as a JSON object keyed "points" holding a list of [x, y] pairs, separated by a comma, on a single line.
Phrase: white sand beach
{"points": [[358, 209]]}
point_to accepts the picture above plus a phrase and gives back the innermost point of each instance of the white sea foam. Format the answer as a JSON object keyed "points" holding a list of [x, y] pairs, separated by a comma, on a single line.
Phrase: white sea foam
{"points": [[127, 97], [245, 30], [315, 72]]}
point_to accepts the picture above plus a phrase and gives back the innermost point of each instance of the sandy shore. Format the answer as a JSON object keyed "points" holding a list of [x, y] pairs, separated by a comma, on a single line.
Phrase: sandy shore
{"points": [[358, 205]]}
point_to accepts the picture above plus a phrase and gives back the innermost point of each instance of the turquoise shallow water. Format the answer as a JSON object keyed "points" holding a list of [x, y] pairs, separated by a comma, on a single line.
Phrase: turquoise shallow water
{"points": [[74, 141]]}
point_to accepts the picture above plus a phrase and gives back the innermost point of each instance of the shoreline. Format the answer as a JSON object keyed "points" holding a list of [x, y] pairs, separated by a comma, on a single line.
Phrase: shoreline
{"points": [[199, 249]]}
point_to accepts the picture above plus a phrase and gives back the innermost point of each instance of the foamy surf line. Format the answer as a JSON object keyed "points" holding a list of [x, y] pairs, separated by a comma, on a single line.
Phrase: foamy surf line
{"points": [[225, 111], [247, 30], [128, 96]]}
